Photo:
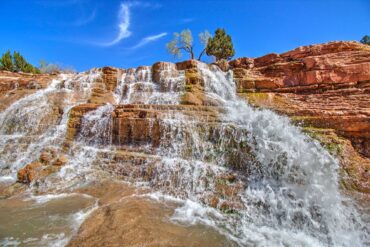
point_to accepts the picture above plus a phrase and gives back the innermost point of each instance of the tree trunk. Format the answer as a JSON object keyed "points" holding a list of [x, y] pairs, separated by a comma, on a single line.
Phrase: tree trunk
{"points": [[201, 54]]}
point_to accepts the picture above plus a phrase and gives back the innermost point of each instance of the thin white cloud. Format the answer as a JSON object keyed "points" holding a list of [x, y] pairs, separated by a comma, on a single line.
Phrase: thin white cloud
{"points": [[123, 25], [124, 17], [148, 39]]}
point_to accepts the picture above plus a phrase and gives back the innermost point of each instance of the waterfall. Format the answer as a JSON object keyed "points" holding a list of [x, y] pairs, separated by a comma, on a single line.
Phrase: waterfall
{"points": [[248, 173], [40, 120], [137, 87], [293, 192]]}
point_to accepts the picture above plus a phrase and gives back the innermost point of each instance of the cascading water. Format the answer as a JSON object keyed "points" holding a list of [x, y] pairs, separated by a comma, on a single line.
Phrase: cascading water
{"points": [[292, 197], [137, 87], [28, 127], [267, 182], [40, 120]]}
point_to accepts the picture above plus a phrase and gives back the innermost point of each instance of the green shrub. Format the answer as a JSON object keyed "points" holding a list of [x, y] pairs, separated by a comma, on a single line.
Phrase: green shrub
{"points": [[20, 64], [365, 40], [16, 63], [6, 61], [220, 46]]}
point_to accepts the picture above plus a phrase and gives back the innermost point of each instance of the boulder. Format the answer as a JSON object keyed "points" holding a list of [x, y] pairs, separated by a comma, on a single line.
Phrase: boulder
{"points": [[28, 173], [60, 161]]}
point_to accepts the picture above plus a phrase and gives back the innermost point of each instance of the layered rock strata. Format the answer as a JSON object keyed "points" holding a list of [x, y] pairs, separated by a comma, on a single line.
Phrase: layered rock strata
{"points": [[14, 86], [326, 89]]}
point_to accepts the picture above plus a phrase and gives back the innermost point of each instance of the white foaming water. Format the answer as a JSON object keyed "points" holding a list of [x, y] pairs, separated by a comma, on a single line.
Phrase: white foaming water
{"points": [[97, 126], [194, 213], [292, 197], [40, 120], [137, 86], [49, 197]]}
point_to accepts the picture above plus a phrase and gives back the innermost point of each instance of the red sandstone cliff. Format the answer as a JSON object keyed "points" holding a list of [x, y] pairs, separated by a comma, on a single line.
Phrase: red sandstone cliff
{"points": [[312, 68]]}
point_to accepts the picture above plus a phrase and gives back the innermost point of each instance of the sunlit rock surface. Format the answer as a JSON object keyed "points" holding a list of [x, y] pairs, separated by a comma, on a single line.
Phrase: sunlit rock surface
{"points": [[14, 86], [312, 68]]}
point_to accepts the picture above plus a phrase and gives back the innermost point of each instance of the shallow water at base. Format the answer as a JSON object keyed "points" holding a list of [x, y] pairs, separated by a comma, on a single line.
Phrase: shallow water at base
{"points": [[123, 214], [44, 220]]}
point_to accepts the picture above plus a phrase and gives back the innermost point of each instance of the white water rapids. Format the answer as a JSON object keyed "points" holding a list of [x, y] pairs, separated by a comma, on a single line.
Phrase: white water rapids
{"points": [[290, 194]]}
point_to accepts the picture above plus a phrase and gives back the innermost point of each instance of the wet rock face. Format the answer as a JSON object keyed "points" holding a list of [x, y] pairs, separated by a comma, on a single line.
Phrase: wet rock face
{"points": [[130, 125], [14, 86], [12, 80], [110, 77], [50, 161], [324, 88], [28, 173], [326, 85], [159, 67], [337, 118], [103, 87], [74, 121], [135, 126]]}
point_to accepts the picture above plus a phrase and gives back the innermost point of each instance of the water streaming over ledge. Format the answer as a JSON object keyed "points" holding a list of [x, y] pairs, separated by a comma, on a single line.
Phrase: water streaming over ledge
{"points": [[284, 185]]}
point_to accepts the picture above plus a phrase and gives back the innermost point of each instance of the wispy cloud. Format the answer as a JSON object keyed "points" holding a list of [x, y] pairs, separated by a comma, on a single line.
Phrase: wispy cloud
{"points": [[148, 39], [124, 20], [123, 25]]}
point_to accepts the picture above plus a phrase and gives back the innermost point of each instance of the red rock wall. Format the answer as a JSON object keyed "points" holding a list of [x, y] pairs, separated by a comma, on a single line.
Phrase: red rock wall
{"points": [[308, 68], [326, 85]]}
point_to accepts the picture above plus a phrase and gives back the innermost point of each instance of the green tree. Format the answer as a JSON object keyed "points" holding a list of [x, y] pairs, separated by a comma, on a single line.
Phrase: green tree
{"points": [[20, 64], [36, 70], [29, 68], [184, 42], [365, 40], [181, 42], [6, 61], [220, 46]]}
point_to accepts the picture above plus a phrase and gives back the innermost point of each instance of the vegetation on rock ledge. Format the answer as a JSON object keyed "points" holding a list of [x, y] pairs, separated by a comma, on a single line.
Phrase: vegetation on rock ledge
{"points": [[16, 63], [184, 42], [365, 40], [220, 46]]}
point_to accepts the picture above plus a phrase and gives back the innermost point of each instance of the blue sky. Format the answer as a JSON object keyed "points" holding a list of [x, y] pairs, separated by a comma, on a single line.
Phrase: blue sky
{"points": [[91, 33]]}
